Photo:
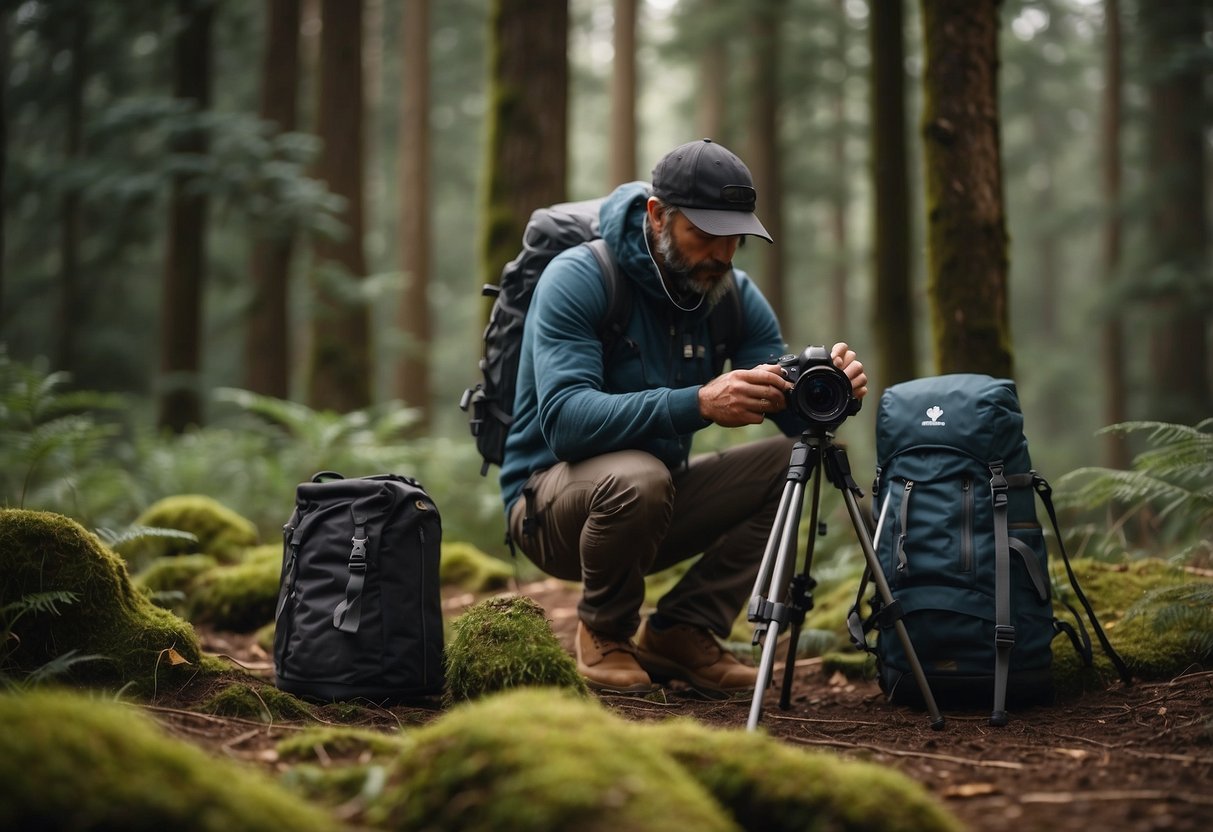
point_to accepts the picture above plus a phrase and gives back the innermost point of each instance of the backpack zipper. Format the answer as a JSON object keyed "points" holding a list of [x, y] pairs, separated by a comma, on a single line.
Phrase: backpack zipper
{"points": [[966, 524]]}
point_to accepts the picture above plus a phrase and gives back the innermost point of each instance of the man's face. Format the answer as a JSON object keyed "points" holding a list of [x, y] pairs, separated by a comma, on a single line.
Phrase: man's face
{"points": [[696, 262]]}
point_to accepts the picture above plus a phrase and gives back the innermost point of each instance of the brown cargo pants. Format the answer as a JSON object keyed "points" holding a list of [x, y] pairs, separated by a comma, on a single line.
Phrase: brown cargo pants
{"points": [[610, 520]]}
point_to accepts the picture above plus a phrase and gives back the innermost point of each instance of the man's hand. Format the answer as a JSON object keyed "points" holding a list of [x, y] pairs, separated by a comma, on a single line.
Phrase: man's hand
{"points": [[745, 397], [844, 359]]}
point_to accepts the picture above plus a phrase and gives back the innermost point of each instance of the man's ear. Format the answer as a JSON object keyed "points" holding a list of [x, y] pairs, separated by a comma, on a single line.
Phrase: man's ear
{"points": [[653, 207]]}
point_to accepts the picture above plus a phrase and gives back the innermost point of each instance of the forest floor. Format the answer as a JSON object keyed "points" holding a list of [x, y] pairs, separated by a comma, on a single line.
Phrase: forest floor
{"points": [[1129, 758]]}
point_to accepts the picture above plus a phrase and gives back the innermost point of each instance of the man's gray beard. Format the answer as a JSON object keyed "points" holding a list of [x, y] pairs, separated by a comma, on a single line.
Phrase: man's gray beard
{"points": [[681, 272]]}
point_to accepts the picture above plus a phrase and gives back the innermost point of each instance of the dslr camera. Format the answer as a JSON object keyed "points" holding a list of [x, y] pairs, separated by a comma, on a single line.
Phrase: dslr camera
{"points": [[821, 393]]}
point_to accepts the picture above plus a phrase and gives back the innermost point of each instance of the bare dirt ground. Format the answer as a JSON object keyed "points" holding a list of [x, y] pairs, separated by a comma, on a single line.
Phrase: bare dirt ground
{"points": [[1130, 758]]}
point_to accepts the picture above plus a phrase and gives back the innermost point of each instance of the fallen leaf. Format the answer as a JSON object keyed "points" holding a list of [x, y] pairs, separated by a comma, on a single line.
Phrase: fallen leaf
{"points": [[970, 790]]}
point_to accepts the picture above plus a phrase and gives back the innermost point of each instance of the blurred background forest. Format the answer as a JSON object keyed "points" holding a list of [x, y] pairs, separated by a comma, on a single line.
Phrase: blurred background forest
{"points": [[244, 241]]}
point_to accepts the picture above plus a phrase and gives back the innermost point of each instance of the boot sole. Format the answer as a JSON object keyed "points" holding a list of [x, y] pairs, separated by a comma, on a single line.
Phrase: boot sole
{"points": [[666, 671]]}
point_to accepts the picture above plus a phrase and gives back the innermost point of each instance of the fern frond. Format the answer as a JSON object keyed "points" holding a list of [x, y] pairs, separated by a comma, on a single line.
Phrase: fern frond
{"points": [[37, 602], [58, 666], [135, 533]]}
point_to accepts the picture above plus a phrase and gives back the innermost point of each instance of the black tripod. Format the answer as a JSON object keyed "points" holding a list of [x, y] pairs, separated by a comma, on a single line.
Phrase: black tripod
{"points": [[815, 451]]}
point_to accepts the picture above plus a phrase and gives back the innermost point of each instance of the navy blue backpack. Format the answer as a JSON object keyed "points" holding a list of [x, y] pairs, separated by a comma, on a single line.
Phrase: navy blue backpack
{"points": [[959, 543]]}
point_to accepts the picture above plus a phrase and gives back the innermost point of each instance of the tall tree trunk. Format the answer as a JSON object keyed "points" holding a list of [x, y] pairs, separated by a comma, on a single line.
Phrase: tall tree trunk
{"points": [[527, 122], [1180, 286], [185, 260], [4, 61], [893, 320], [1116, 446], [838, 190], [267, 358], [713, 92], [966, 228], [72, 306], [765, 160], [413, 370], [341, 330], [623, 95]]}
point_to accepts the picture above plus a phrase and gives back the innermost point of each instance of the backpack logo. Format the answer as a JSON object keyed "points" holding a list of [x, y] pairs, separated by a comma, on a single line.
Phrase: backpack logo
{"points": [[935, 411]]}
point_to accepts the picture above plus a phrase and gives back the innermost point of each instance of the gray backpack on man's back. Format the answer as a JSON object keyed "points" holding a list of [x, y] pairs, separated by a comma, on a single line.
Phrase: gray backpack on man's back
{"points": [[359, 611]]}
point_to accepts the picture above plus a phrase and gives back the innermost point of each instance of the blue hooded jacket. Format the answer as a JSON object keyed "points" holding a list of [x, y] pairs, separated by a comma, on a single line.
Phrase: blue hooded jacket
{"points": [[573, 403]]}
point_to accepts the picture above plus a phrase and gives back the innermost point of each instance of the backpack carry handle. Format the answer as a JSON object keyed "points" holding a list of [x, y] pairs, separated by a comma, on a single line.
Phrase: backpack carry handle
{"points": [[321, 476]]}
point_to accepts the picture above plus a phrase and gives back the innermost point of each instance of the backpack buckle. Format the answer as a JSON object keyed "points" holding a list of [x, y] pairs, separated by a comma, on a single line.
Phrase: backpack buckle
{"points": [[1004, 636]]}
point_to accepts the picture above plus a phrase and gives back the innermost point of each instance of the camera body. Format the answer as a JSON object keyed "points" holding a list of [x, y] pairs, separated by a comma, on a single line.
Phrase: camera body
{"points": [[821, 393]]}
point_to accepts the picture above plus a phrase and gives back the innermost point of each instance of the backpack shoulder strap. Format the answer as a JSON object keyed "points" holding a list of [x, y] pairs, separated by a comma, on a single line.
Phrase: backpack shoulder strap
{"points": [[618, 293]]}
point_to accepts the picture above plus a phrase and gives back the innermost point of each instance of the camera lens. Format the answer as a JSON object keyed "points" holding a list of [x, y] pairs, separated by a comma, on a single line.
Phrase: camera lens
{"points": [[822, 394]]}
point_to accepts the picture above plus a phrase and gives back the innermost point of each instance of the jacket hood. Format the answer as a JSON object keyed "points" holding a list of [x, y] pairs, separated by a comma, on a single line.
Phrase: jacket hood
{"points": [[621, 223]]}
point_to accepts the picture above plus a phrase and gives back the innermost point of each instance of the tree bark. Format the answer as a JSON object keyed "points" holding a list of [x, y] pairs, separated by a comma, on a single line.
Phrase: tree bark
{"points": [[185, 260], [413, 369], [1179, 220], [268, 345], [765, 161], [72, 306], [1116, 446], [966, 228], [528, 122], [893, 320], [713, 82], [623, 95], [341, 330]]}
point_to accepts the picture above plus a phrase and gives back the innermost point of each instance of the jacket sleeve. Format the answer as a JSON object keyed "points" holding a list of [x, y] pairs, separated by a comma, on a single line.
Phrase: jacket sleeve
{"points": [[762, 343], [578, 419]]}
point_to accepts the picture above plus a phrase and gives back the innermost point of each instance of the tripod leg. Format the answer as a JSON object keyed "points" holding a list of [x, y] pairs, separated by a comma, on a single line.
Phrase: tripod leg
{"points": [[800, 598], [886, 595], [774, 612]]}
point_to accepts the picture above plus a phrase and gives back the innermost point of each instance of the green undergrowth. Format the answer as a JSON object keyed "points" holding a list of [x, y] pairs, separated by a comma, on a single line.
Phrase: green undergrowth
{"points": [[540, 760], [503, 643], [261, 702], [103, 615], [467, 567], [68, 761], [240, 597]]}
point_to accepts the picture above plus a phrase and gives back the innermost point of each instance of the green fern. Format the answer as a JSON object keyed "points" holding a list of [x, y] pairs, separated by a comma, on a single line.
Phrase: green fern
{"points": [[123, 538], [1186, 608], [1174, 478], [37, 603]]}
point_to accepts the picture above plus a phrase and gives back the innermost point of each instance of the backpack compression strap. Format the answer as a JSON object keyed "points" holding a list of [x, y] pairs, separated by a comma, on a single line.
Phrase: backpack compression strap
{"points": [[348, 614], [1004, 630]]}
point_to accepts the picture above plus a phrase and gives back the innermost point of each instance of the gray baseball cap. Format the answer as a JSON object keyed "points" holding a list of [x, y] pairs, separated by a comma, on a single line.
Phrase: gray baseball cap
{"points": [[711, 186]]}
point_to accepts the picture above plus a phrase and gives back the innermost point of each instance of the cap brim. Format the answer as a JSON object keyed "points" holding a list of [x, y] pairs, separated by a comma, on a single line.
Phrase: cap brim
{"points": [[726, 223]]}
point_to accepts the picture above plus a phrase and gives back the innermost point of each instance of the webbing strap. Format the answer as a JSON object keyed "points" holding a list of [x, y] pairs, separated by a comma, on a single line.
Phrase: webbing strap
{"points": [[1004, 630], [1045, 491], [348, 614]]}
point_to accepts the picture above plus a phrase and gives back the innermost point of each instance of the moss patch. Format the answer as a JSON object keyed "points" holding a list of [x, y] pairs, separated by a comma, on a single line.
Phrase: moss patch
{"points": [[69, 762], [260, 702], [505, 643], [326, 744], [769, 786], [240, 597], [467, 567], [221, 532], [539, 760], [140, 642], [173, 574]]}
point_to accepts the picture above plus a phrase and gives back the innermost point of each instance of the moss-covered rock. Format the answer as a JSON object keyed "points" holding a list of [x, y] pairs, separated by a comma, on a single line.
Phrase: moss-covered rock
{"points": [[173, 574], [769, 786], [139, 642], [70, 762], [1140, 605], [505, 643], [239, 597], [221, 532], [467, 567], [539, 760], [261, 702]]}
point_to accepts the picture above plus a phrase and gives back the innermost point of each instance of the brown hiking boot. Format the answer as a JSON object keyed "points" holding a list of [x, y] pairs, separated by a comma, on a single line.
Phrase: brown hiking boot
{"points": [[693, 655], [609, 665]]}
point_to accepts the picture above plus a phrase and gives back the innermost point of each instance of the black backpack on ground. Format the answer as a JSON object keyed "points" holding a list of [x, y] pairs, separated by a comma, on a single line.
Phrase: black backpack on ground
{"points": [[959, 543], [359, 611], [490, 403]]}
